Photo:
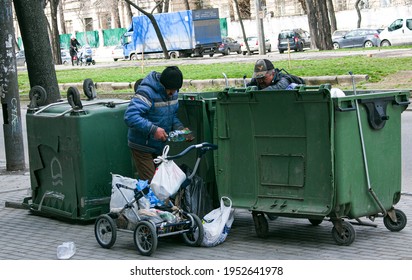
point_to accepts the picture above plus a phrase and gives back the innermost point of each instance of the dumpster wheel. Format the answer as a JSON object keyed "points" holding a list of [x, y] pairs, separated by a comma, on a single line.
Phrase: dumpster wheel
{"points": [[397, 225], [89, 89], [194, 237], [38, 96], [145, 238], [343, 233], [261, 224], [73, 97], [105, 231]]}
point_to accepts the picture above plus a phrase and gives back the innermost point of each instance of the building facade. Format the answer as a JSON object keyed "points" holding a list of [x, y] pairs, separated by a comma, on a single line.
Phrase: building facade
{"points": [[87, 15]]}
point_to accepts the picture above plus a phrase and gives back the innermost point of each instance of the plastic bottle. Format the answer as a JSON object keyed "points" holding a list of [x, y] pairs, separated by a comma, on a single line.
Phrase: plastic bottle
{"points": [[66, 250], [179, 135]]}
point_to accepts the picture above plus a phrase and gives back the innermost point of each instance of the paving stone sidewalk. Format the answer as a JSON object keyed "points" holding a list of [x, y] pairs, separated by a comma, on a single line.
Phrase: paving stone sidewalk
{"points": [[24, 236]]}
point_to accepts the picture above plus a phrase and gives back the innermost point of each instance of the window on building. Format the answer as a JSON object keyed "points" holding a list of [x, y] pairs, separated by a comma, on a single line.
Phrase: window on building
{"points": [[280, 8], [385, 3], [341, 5], [88, 24], [298, 8], [69, 26], [105, 21]]}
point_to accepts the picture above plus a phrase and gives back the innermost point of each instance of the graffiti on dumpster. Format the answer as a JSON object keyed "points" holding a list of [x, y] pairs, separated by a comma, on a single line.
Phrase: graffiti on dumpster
{"points": [[56, 172]]}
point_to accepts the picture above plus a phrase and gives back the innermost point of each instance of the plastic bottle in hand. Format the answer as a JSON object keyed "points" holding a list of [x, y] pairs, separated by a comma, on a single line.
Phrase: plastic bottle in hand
{"points": [[180, 135]]}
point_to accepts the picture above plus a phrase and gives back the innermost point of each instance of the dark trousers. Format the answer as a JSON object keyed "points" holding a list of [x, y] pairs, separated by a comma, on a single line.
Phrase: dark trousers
{"points": [[145, 166]]}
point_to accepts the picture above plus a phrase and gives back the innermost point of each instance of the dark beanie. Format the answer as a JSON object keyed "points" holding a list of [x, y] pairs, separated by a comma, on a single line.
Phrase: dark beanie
{"points": [[171, 78]]}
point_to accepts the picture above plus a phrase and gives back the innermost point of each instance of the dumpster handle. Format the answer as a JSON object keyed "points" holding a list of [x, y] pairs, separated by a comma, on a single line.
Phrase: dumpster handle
{"points": [[365, 160]]}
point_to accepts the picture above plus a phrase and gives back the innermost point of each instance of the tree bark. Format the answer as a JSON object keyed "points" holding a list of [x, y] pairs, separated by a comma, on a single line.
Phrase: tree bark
{"points": [[241, 26], [33, 27], [332, 16], [359, 13], [187, 6], [319, 25], [166, 6], [55, 34], [116, 15], [61, 13], [9, 92], [129, 13]]}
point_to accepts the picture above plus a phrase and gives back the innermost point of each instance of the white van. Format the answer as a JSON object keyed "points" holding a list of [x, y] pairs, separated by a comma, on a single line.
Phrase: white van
{"points": [[398, 32]]}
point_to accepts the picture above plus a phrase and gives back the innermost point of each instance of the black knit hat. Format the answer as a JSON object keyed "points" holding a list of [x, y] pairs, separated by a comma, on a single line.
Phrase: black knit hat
{"points": [[172, 78]]}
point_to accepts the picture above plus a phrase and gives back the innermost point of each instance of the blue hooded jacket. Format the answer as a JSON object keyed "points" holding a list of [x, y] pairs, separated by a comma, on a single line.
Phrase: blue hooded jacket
{"points": [[149, 109]]}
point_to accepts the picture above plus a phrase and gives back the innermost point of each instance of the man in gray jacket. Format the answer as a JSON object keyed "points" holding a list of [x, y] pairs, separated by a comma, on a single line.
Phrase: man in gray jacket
{"points": [[266, 77]]}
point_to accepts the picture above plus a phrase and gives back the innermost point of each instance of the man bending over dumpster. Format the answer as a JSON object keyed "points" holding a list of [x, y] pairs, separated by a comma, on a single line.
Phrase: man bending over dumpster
{"points": [[151, 115], [266, 77]]}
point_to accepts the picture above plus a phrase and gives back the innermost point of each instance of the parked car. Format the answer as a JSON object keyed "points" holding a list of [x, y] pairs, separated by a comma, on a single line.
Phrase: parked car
{"points": [[117, 53], [339, 33], [20, 58], [399, 32], [296, 39], [360, 37], [65, 55], [253, 43], [229, 45]]}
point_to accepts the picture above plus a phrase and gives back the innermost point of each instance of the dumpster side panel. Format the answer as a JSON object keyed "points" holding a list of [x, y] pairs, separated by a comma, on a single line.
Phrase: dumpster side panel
{"points": [[275, 152], [383, 154], [71, 158], [235, 169], [196, 111]]}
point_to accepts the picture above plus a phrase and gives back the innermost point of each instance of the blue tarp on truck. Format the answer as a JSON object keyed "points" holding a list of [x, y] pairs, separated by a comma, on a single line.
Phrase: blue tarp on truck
{"points": [[185, 33]]}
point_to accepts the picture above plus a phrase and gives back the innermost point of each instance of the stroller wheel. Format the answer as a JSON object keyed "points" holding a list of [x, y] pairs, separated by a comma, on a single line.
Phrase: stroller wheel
{"points": [[194, 236], [93, 62], [145, 238], [105, 231]]}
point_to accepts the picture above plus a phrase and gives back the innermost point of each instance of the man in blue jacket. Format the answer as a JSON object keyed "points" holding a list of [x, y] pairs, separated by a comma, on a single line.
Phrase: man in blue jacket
{"points": [[151, 115]]}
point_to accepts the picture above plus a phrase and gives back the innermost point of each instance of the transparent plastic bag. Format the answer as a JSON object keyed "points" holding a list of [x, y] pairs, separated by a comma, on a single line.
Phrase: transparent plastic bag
{"points": [[66, 250]]}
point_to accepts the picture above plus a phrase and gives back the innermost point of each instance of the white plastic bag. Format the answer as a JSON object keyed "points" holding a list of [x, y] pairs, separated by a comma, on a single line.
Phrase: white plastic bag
{"points": [[167, 178], [117, 201], [217, 223]]}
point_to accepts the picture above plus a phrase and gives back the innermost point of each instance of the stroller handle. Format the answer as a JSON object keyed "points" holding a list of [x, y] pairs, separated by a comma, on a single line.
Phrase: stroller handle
{"points": [[204, 147]]}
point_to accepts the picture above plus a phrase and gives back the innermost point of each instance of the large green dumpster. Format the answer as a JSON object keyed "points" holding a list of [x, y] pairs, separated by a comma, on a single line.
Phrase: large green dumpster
{"points": [[299, 154], [196, 111], [71, 155]]}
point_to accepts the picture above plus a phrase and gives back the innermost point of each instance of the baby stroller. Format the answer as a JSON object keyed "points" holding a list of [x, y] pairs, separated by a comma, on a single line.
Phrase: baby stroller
{"points": [[147, 228], [86, 56]]}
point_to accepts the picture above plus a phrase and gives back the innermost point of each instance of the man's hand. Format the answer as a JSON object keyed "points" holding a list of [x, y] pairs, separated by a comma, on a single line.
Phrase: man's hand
{"points": [[160, 134]]}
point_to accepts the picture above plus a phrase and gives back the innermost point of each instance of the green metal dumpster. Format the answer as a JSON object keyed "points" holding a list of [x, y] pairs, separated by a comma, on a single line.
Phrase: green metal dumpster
{"points": [[302, 154], [196, 111], [71, 155]]}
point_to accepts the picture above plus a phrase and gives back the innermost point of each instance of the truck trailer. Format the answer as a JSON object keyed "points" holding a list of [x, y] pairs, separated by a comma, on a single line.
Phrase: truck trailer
{"points": [[186, 33]]}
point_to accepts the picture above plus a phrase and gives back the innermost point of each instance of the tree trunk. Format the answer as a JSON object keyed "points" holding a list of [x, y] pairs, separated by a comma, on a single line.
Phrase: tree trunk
{"points": [[9, 92], [61, 13], [166, 6], [55, 34], [332, 16], [116, 15], [33, 27], [129, 13], [187, 6], [359, 13], [241, 26], [155, 26], [319, 25]]}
